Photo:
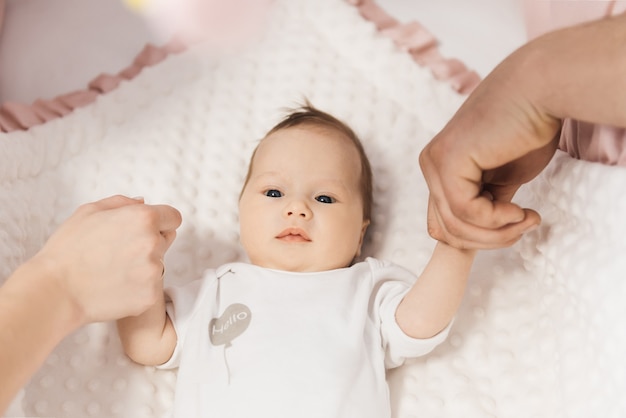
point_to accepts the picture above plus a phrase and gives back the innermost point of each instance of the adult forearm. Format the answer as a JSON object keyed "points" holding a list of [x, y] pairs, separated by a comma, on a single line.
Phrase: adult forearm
{"points": [[36, 316], [579, 72]]}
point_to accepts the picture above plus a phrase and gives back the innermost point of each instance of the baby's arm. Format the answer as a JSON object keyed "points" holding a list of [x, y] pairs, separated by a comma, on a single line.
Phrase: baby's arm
{"points": [[148, 338], [435, 297]]}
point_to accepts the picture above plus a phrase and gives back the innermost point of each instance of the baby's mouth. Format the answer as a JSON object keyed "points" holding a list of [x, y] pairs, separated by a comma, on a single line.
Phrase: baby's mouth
{"points": [[293, 235]]}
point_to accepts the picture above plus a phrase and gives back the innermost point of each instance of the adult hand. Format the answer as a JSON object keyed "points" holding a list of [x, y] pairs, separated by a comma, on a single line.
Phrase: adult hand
{"points": [[497, 141], [108, 256], [103, 263], [506, 131]]}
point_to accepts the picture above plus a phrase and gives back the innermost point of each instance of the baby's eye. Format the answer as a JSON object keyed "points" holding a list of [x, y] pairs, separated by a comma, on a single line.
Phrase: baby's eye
{"points": [[325, 199], [273, 193]]}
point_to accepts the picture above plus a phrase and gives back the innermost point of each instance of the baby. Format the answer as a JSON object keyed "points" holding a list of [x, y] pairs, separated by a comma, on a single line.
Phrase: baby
{"points": [[302, 330]]}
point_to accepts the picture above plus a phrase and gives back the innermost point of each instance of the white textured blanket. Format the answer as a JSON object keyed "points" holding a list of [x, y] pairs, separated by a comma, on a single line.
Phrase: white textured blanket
{"points": [[540, 332]]}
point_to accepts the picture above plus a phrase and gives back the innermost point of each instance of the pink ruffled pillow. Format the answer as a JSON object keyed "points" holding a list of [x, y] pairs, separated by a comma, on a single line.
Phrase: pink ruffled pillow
{"points": [[411, 37]]}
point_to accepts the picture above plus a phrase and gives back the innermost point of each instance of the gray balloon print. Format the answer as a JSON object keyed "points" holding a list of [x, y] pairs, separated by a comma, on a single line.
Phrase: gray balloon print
{"points": [[231, 324]]}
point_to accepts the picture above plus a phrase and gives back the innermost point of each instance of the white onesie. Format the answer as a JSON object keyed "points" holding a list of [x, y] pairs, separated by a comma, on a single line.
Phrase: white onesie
{"points": [[255, 342]]}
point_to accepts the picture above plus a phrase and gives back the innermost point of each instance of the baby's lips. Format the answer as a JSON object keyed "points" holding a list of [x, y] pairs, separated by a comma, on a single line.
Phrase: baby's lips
{"points": [[296, 232]]}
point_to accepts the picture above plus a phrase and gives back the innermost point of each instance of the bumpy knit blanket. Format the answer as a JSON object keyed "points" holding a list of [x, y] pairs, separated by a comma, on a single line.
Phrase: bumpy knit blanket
{"points": [[540, 332]]}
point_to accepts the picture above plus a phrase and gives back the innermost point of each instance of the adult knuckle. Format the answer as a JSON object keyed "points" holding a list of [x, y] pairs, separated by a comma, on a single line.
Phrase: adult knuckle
{"points": [[454, 228], [464, 212], [152, 241], [146, 216], [434, 231], [175, 213], [421, 159], [86, 208]]}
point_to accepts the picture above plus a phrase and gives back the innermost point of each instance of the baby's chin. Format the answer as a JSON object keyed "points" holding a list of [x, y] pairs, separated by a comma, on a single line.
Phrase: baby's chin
{"points": [[294, 266]]}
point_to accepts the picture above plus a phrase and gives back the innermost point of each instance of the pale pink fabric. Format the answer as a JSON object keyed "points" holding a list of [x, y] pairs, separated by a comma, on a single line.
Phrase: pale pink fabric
{"points": [[412, 37], [598, 143], [546, 15], [2, 4], [585, 141]]}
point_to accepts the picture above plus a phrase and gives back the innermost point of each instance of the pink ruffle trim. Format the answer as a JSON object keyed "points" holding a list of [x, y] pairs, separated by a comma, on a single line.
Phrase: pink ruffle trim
{"points": [[421, 45], [16, 116], [412, 37]]}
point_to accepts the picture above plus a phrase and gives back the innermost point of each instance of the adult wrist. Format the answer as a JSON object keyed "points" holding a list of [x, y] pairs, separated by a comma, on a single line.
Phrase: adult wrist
{"points": [[42, 281], [532, 77]]}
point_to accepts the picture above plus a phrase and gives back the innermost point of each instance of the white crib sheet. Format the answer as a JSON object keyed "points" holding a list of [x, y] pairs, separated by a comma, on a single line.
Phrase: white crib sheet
{"points": [[539, 331]]}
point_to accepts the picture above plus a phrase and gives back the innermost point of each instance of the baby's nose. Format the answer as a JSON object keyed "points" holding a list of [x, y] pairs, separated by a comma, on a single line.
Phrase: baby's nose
{"points": [[297, 208]]}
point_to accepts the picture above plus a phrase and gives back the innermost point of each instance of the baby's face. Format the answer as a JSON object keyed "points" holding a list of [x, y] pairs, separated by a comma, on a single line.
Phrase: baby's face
{"points": [[302, 208]]}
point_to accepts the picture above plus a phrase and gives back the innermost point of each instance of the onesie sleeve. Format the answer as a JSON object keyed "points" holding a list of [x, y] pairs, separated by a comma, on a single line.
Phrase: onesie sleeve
{"points": [[181, 303], [392, 283]]}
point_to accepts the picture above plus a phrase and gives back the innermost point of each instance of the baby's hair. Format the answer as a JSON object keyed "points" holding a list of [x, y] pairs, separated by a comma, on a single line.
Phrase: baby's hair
{"points": [[307, 115]]}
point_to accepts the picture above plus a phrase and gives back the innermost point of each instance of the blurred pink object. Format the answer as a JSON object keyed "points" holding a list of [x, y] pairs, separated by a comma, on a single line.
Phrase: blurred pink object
{"points": [[219, 23], [546, 15], [585, 141]]}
